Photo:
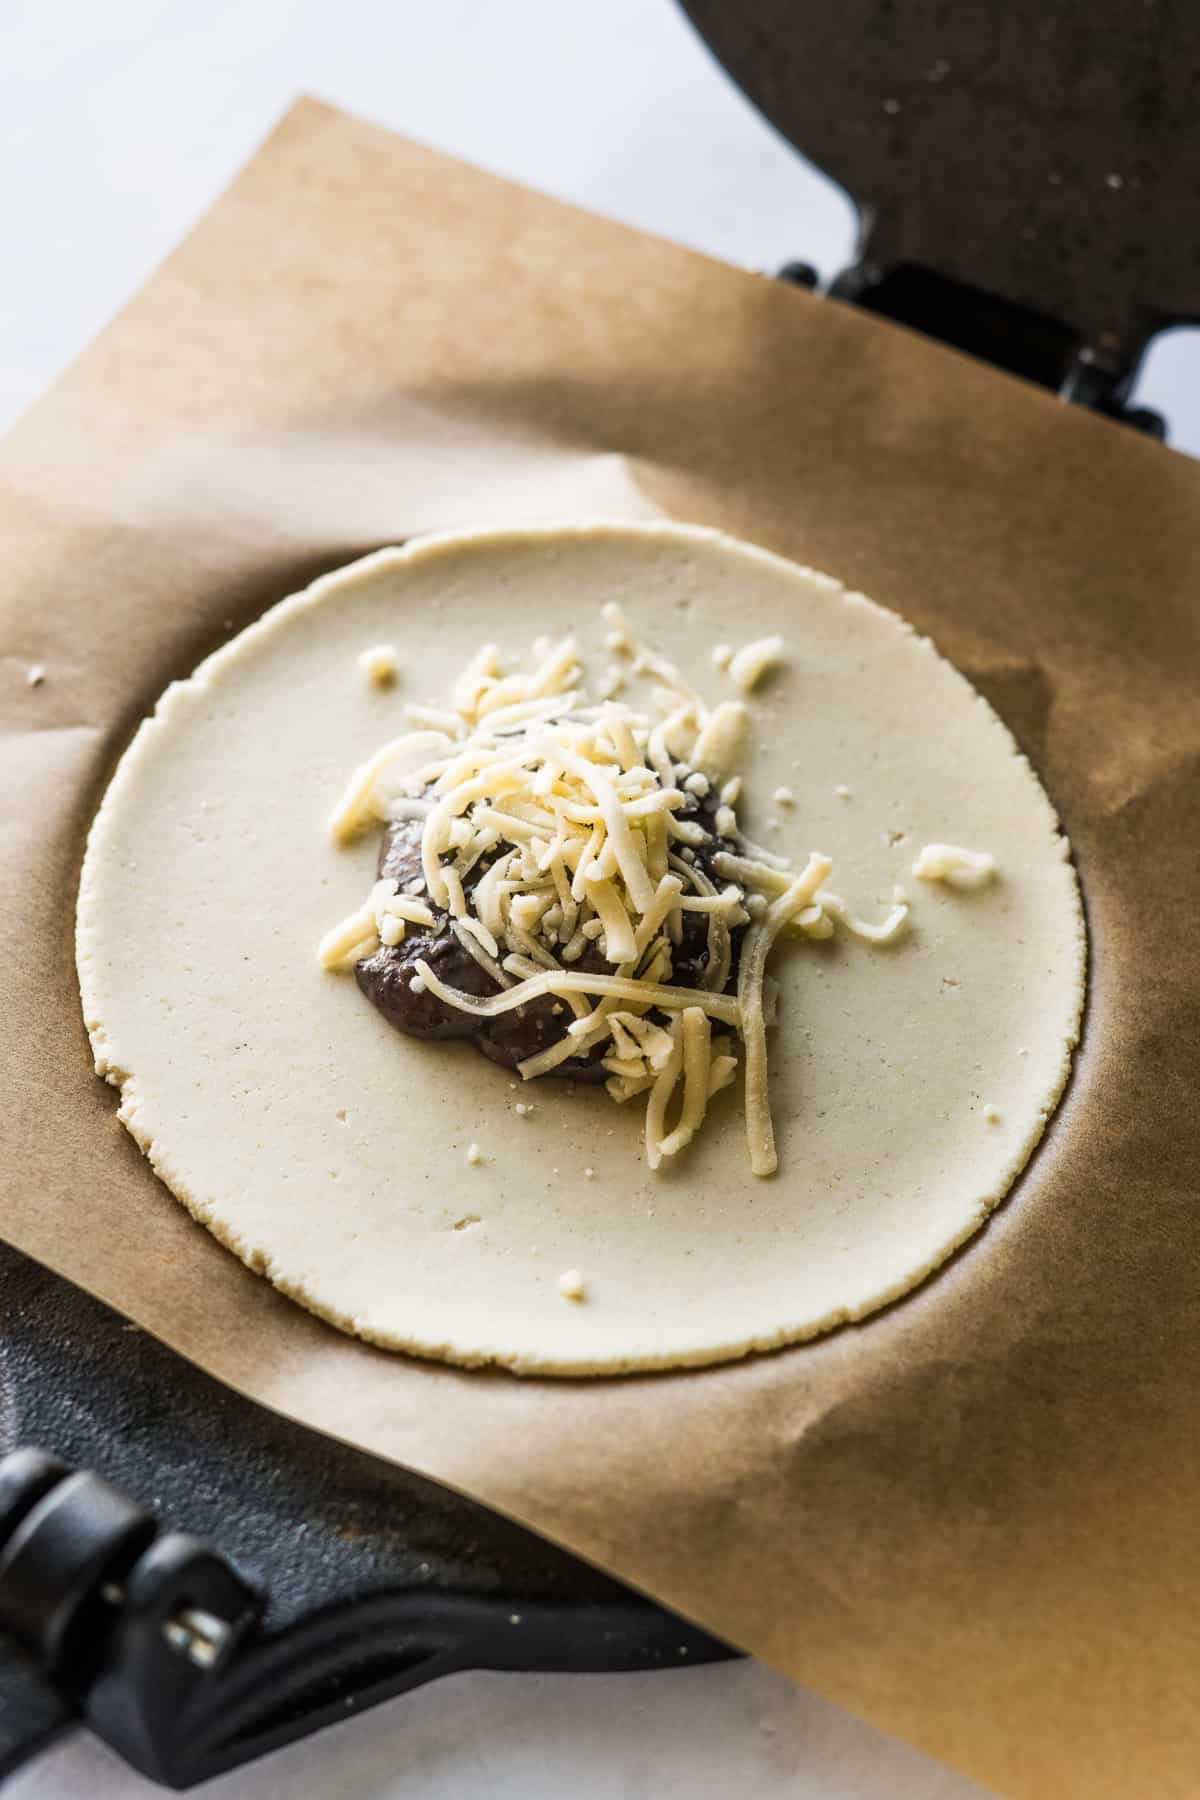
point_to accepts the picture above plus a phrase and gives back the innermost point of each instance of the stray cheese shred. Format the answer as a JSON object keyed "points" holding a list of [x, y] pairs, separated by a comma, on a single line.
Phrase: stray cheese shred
{"points": [[956, 867], [551, 825], [749, 664]]}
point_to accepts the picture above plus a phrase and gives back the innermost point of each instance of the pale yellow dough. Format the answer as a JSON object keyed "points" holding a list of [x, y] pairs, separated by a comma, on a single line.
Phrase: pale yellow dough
{"points": [[331, 1153]]}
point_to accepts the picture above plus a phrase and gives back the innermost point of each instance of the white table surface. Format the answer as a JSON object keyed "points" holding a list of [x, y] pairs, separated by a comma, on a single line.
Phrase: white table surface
{"points": [[122, 119]]}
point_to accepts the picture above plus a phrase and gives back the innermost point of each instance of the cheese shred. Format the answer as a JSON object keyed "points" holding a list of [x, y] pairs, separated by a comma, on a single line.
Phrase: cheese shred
{"points": [[566, 844]]}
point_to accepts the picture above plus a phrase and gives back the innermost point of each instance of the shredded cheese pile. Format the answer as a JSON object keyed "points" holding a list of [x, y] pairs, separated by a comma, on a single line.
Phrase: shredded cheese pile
{"points": [[572, 808]]}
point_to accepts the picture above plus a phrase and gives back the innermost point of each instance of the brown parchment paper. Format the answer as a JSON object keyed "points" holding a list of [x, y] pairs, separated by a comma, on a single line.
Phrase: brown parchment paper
{"points": [[973, 1519]]}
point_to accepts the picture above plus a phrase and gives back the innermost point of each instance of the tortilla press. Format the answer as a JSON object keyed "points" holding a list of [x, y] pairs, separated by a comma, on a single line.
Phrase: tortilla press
{"points": [[232, 1581], [201, 1581], [1025, 175]]}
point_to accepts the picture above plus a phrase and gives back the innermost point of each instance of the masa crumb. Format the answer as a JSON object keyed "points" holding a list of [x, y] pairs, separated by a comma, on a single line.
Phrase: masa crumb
{"points": [[571, 1285], [380, 664]]}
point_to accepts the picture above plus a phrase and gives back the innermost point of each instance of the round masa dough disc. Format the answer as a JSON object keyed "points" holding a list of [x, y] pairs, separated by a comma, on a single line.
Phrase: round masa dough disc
{"points": [[329, 1151]]}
